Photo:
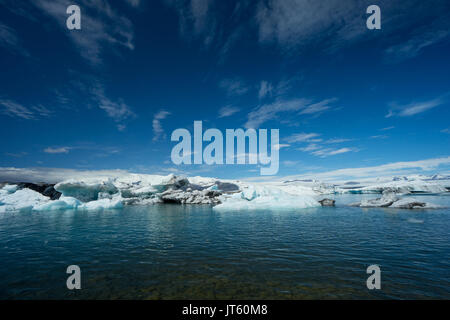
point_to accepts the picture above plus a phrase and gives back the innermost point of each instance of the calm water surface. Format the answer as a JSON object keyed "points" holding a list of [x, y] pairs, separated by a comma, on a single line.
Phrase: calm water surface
{"points": [[192, 252]]}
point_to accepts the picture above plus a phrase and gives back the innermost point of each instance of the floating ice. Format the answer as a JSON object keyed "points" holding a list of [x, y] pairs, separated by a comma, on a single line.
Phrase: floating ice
{"points": [[20, 200], [390, 200], [265, 198]]}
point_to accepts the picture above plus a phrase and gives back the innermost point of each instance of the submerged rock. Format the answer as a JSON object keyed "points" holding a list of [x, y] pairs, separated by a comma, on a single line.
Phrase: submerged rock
{"points": [[327, 202]]}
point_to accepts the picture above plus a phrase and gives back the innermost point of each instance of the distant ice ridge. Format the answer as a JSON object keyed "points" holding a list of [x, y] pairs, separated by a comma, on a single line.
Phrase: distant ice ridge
{"points": [[398, 184]]}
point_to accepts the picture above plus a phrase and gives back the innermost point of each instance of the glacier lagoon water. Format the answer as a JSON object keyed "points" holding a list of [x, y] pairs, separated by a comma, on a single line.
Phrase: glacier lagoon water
{"points": [[193, 252]]}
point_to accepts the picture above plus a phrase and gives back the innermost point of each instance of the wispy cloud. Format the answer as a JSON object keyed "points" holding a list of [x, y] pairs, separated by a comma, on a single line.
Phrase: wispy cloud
{"points": [[423, 37], [17, 110], [387, 128], [228, 111], [265, 89], [337, 140], [381, 136], [447, 130], [327, 152], [158, 130], [310, 147], [14, 109], [119, 111], [134, 3], [102, 28], [317, 146], [10, 41], [234, 87], [57, 150], [317, 108], [301, 137], [218, 24], [414, 108], [291, 23], [16, 155], [271, 111]]}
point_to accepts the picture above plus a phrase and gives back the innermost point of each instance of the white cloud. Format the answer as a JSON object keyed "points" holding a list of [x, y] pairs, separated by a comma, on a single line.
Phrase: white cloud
{"points": [[158, 130], [387, 128], [446, 130], [228, 111], [57, 150]]}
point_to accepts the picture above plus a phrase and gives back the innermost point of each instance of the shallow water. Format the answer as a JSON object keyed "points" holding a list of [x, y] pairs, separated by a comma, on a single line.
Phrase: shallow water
{"points": [[192, 252]]}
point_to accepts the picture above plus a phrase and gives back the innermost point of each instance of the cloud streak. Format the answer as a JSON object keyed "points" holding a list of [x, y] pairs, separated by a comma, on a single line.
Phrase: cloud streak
{"points": [[228, 111], [57, 150], [16, 110], [414, 108]]}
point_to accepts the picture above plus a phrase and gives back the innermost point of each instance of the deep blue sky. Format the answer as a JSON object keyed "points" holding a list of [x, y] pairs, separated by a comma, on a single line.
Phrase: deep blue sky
{"points": [[109, 96]]}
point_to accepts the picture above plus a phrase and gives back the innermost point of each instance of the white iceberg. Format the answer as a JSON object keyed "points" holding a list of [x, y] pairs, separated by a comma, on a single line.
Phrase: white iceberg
{"points": [[20, 200], [265, 198]]}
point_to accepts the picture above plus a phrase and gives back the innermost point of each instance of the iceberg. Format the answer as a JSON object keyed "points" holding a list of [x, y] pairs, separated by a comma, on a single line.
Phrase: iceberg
{"points": [[63, 203], [21, 200], [102, 204]]}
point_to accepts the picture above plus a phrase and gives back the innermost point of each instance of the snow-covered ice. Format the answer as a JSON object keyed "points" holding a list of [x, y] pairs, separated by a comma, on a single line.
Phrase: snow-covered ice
{"points": [[109, 192]]}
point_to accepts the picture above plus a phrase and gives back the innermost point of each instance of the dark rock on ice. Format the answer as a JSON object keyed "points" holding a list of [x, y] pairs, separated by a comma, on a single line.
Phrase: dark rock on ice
{"points": [[327, 202]]}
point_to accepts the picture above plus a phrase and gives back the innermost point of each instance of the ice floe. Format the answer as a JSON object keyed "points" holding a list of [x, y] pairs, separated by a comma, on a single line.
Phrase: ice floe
{"points": [[390, 200]]}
